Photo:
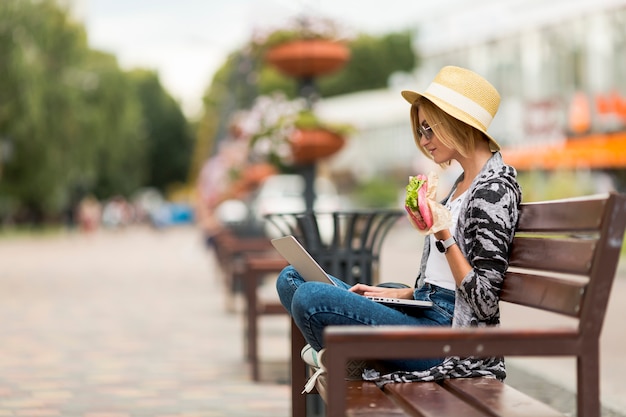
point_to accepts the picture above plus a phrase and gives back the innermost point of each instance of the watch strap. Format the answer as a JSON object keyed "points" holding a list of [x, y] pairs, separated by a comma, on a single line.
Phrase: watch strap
{"points": [[443, 245], [449, 242]]}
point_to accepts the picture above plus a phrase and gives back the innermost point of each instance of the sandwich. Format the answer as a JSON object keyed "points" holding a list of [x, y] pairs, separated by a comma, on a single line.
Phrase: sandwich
{"points": [[416, 202]]}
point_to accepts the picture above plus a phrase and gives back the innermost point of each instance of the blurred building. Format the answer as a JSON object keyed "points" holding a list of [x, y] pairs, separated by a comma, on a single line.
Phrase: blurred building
{"points": [[560, 67], [540, 55]]}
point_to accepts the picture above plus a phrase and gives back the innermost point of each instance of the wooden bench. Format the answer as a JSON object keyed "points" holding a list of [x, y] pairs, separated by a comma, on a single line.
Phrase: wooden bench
{"points": [[230, 249], [563, 260], [255, 267], [244, 261]]}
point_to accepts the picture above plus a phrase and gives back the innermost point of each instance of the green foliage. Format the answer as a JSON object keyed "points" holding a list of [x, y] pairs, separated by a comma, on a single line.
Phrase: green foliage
{"points": [[272, 81], [372, 61], [169, 141], [377, 193], [307, 119], [71, 122], [541, 185], [41, 50], [117, 155]]}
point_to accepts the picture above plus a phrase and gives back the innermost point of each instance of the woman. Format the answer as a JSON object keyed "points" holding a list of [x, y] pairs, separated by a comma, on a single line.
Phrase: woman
{"points": [[463, 265]]}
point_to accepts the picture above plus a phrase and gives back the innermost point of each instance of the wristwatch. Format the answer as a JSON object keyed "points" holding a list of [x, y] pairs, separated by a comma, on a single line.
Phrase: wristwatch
{"points": [[443, 245]]}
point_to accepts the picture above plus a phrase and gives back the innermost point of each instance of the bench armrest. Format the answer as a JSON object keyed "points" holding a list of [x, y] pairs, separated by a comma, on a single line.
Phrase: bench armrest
{"points": [[395, 342]]}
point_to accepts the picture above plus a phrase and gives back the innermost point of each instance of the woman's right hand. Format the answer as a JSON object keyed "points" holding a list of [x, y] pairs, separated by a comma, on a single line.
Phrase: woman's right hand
{"points": [[372, 291]]}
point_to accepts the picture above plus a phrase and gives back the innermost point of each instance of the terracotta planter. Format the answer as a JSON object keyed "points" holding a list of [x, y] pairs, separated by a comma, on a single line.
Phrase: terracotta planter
{"points": [[251, 178], [255, 174], [307, 58], [310, 145]]}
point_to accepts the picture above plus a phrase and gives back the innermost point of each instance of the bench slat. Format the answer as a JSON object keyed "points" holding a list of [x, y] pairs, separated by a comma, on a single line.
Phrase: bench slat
{"points": [[558, 255], [429, 399], [366, 399], [546, 293], [562, 216], [499, 400]]}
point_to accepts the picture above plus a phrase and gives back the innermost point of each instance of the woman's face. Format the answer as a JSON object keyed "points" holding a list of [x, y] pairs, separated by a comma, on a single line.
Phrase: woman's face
{"points": [[430, 142]]}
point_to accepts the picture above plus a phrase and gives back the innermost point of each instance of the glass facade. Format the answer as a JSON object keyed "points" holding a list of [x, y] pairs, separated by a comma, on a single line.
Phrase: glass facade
{"points": [[539, 69]]}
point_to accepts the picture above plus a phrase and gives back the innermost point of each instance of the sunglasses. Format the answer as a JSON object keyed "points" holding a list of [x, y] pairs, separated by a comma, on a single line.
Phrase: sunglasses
{"points": [[427, 132]]}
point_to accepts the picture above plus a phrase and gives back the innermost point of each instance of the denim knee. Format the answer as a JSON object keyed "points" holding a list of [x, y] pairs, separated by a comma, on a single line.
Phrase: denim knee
{"points": [[304, 304], [282, 283], [287, 283], [300, 302]]}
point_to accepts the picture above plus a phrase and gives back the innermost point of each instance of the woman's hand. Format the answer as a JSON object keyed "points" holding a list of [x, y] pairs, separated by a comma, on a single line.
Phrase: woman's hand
{"points": [[369, 290]]}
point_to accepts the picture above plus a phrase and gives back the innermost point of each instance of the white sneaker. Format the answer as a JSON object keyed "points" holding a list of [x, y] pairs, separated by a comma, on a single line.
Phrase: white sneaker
{"points": [[314, 359], [354, 368], [310, 356]]}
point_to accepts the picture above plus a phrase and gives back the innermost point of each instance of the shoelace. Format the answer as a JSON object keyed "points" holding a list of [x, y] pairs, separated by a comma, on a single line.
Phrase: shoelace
{"points": [[311, 382]]}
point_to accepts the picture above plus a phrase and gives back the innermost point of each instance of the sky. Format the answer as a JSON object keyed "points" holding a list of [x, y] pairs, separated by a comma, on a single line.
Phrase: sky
{"points": [[186, 41]]}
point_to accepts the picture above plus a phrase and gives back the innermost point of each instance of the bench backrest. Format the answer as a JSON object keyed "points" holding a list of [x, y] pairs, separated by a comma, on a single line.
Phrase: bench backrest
{"points": [[564, 257]]}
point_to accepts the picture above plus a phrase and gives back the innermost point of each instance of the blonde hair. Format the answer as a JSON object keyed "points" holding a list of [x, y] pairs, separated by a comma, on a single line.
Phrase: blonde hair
{"points": [[450, 131]]}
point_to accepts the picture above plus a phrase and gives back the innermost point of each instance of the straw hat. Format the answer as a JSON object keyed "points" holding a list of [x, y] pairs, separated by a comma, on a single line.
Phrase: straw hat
{"points": [[464, 95]]}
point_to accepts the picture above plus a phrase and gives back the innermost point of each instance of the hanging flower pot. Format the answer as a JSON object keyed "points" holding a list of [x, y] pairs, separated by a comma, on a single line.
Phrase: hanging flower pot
{"points": [[308, 57], [309, 145], [286, 134], [255, 174], [250, 178]]}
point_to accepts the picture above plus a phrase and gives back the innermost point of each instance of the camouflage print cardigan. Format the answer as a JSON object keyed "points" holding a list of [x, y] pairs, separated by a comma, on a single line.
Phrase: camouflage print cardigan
{"points": [[484, 234]]}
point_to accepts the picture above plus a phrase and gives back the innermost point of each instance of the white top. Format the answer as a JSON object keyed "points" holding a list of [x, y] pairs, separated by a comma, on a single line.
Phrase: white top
{"points": [[438, 270]]}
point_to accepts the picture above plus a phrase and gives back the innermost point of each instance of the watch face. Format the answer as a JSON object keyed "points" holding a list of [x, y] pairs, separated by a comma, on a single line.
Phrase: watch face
{"points": [[440, 246]]}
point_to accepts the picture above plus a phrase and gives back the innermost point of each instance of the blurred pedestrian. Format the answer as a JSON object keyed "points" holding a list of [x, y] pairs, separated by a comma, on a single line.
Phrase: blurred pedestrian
{"points": [[89, 214]]}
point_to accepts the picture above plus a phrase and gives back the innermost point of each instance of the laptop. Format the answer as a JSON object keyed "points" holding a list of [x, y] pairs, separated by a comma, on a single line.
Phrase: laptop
{"points": [[299, 258]]}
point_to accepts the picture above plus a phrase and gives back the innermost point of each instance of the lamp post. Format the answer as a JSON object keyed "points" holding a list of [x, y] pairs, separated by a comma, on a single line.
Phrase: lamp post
{"points": [[308, 90]]}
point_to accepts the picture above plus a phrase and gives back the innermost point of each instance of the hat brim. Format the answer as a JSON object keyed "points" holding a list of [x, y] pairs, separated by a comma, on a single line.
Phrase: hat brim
{"points": [[412, 97]]}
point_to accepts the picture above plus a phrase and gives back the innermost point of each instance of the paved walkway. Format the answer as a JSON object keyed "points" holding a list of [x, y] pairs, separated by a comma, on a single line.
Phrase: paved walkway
{"points": [[127, 324], [133, 323]]}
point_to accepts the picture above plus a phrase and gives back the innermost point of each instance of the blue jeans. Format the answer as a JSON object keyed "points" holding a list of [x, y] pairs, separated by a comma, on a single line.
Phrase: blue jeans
{"points": [[315, 305]]}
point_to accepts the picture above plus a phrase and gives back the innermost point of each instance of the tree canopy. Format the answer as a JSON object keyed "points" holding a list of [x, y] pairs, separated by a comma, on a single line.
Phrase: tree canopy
{"points": [[72, 122], [372, 61]]}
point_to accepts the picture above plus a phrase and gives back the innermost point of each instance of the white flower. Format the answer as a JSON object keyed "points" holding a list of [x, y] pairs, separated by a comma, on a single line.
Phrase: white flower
{"points": [[269, 124]]}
